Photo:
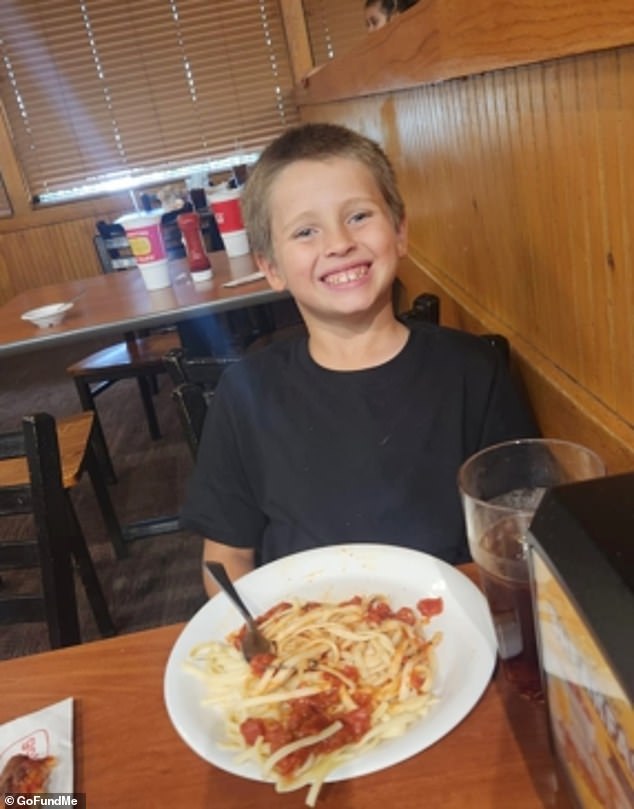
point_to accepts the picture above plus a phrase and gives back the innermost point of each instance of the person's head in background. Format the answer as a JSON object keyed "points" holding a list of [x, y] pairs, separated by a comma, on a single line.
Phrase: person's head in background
{"points": [[379, 12]]}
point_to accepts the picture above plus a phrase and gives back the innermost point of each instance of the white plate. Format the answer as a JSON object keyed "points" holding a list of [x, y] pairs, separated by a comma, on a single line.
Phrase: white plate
{"points": [[466, 655]]}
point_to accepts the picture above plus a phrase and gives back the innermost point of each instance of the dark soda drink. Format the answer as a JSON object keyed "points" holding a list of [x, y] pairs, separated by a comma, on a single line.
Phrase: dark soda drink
{"points": [[511, 606]]}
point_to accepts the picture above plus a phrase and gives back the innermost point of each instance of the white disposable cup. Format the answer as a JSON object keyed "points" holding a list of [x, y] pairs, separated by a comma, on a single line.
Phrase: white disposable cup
{"points": [[236, 243], [156, 274], [144, 235]]}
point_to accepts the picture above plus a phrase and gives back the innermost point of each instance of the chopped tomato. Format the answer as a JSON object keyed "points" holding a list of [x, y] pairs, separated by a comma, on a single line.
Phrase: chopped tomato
{"points": [[276, 735], [430, 606], [349, 672], [363, 698], [314, 721], [406, 615], [308, 715], [281, 607], [251, 730], [293, 761], [378, 611], [416, 680], [260, 663], [357, 720]]}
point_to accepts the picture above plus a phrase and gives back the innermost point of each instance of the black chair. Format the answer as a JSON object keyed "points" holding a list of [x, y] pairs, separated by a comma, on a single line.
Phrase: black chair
{"points": [[31, 482], [202, 371], [426, 308], [77, 442], [191, 405], [195, 380]]}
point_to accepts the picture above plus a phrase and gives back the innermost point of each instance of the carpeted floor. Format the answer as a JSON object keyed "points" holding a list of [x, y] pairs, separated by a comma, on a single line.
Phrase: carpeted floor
{"points": [[160, 582]]}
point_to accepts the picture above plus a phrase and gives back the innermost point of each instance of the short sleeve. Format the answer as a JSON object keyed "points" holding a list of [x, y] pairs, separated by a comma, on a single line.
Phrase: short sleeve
{"points": [[219, 500], [507, 414]]}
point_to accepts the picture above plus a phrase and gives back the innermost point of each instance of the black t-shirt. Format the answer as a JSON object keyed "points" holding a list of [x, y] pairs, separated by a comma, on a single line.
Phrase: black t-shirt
{"points": [[295, 456]]}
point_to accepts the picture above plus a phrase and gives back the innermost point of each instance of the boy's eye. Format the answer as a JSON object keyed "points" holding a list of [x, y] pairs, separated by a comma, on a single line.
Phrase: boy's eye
{"points": [[359, 216], [303, 233]]}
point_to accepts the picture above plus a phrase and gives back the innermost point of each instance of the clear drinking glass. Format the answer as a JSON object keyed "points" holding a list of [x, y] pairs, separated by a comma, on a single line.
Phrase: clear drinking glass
{"points": [[501, 487]]}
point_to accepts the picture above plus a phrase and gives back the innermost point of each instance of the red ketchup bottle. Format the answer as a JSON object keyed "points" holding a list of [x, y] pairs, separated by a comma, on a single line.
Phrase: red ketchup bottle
{"points": [[189, 226]]}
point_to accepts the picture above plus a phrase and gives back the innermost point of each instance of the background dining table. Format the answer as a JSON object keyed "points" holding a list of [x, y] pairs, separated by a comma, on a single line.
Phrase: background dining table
{"points": [[119, 302], [128, 754], [116, 302]]}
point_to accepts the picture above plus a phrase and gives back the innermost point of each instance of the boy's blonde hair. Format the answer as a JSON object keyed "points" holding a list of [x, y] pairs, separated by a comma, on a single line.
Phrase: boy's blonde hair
{"points": [[311, 142]]}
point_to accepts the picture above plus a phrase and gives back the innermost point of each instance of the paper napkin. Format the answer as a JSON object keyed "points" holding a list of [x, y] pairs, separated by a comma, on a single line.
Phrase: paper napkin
{"points": [[47, 732]]}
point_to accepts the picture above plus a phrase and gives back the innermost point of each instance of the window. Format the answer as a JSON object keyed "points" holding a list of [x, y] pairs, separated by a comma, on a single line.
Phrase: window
{"points": [[102, 95], [334, 26]]}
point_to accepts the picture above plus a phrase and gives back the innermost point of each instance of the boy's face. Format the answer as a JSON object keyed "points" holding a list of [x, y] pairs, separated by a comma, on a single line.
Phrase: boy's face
{"points": [[335, 246]]}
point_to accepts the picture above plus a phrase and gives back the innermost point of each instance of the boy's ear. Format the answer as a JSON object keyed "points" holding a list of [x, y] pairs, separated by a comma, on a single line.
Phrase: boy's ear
{"points": [[401, 238], [269, 268]]}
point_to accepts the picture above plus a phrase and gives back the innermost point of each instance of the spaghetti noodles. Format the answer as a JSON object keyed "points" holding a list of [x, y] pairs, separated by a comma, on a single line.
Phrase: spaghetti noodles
{"points": [[344, 677]]}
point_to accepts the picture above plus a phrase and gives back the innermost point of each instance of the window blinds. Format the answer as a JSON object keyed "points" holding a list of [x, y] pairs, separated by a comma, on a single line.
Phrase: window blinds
{"points": [[97, 89]]}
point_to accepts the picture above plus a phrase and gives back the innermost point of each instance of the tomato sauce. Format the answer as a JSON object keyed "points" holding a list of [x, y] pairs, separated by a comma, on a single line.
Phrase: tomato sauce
{"points": [[309, 716], [306, 717]]}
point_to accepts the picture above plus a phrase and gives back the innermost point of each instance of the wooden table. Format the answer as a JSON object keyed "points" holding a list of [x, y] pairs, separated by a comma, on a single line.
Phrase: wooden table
{"points": [[117, 302], [127, 753]]}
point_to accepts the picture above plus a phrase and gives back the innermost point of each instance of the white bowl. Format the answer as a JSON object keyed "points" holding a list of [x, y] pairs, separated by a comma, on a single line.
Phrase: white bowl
{"points": [[46, 316]]}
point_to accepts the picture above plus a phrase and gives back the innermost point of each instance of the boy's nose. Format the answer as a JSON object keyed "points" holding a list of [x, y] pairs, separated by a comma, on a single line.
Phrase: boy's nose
{"points": [[338, 241]]}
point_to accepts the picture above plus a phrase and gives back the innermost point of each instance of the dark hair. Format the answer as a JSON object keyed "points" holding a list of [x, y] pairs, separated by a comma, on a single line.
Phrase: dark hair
{"points": [[311, 142], [389, 7]]}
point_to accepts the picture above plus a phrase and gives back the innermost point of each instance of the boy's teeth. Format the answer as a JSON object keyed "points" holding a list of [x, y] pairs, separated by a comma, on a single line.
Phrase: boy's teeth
{"points": [[346, 276]]}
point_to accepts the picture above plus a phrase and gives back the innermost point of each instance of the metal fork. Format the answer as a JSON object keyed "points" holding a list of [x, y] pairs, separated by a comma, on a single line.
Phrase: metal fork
{"points": [[253, 641]]}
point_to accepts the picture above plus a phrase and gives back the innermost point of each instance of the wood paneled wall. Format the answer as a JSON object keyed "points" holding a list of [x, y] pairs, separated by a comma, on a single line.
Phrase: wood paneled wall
{"points": [[41, 247], [519, 185], [43, 255]]}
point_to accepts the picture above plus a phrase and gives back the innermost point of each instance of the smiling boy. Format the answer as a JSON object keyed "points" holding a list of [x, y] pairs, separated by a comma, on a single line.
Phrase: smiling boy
{"points": [[356, 432]]}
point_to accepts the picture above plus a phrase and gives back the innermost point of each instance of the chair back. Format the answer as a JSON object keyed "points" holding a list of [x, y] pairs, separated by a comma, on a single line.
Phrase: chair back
{"points": [[426, 309], [500, 344], [204, 371], [191, 405], [195, 380], [45, 498]]}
